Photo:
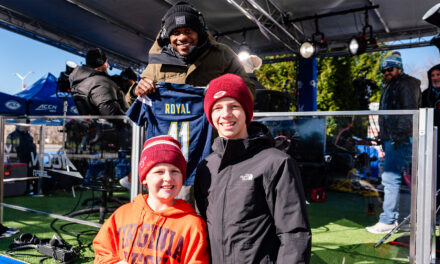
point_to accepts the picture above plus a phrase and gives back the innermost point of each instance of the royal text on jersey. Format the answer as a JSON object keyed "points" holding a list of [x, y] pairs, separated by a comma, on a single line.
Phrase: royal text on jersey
{"points": [[177, 109]]}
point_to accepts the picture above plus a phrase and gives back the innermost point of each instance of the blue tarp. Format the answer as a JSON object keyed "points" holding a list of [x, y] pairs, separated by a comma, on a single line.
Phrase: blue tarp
{"points": [[12, 105], [42, 98]]}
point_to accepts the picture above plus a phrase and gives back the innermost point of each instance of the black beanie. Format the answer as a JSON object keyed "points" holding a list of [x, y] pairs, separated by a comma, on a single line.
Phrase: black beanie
{"points": [[95, 58], [182, 15]]}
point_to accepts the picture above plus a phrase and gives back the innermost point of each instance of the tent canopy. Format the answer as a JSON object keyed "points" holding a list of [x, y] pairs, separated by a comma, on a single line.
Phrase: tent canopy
{"points": [[126, 29], [42, 98]]}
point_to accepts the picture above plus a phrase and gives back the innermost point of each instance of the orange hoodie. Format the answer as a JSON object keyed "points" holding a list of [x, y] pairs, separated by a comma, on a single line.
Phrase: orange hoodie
{"points": [[137, 234]]}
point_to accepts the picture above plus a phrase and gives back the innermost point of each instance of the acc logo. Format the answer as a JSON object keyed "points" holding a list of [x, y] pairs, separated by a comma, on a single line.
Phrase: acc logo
{"points": [[219, 94], [74, 110], [12, 104], [47, 107]]}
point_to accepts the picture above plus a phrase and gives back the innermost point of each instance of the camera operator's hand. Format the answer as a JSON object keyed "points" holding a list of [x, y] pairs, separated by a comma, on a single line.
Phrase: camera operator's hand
{"points": [[145, 87]]}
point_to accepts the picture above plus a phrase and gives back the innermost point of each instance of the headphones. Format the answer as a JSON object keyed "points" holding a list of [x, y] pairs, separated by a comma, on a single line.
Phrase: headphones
{"points": [[163, 34]]}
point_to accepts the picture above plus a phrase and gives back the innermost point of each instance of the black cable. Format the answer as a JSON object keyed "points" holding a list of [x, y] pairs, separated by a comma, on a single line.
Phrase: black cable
{"points": [[78, 234]]}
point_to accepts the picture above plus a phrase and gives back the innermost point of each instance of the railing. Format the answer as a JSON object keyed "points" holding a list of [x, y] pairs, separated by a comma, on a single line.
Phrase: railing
{"points": [[78, 151]]}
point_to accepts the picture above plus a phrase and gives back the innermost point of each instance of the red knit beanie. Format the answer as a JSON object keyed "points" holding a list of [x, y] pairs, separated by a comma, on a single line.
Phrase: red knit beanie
{"points": [[161, 149], [229, 85]]}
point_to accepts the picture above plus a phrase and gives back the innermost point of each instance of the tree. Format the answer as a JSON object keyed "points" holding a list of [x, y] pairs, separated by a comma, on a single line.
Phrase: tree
{"points": [[336, 76], [335, 79], [280, 76]]}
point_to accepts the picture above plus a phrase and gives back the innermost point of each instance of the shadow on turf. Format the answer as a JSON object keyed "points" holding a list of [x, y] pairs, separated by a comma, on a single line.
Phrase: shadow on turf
{"points": [[350, 208]]}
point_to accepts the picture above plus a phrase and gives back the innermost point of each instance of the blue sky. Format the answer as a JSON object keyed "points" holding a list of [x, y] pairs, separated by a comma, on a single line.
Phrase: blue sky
{"points": [[19, 54]]}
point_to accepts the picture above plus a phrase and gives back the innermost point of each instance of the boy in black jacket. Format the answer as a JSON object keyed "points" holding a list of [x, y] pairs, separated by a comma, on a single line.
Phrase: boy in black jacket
{"points": [[249, 192]]}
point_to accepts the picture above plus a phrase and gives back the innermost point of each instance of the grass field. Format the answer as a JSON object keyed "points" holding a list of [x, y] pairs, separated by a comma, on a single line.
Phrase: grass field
{"points": [[337, 226]]}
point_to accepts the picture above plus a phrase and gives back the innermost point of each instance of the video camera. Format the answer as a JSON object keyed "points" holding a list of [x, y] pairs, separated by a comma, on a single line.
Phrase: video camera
{"points": [[63, 84]]}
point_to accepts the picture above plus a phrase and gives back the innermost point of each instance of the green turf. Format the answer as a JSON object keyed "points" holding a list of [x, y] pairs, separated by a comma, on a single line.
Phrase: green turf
{"points": [[337, 227], [338, 232], [60, 203]]}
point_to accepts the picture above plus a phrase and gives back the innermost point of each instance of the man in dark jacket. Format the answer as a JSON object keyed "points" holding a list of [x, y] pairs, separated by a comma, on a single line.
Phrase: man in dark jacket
{"points": [[401, 92], [431, 96], [249, 192], [21, 142], [431, 99], [92, 81]]}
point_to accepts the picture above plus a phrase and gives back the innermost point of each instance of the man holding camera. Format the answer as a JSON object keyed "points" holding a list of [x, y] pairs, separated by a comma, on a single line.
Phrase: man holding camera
{"points": [[93, 81]]}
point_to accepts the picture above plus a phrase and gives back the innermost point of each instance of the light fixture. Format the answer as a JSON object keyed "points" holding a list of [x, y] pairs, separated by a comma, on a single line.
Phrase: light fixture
{"points": [[308, 48], [244, 52], [433, 15], [359, 44]]}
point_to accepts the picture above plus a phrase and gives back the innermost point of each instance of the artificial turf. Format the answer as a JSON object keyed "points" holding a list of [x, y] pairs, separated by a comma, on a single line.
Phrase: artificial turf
{"points": [[338, 234]]}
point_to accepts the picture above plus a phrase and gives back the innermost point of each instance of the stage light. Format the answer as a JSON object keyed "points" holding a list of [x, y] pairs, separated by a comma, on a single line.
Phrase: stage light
{"points": [[244, 53], [357, 45], [433, 15], [308, 49], [311, 48]]}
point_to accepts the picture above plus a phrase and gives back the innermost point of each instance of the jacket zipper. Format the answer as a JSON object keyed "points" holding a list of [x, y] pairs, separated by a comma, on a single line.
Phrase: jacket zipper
{"points": [[229, 174]]}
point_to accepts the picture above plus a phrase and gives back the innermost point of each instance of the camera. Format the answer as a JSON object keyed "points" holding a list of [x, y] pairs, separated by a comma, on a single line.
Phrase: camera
{"points": [[63, 84]]}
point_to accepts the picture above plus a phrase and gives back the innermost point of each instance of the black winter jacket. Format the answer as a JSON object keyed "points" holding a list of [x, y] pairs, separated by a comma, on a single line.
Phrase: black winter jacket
{"points": [[403, 93], [102, 91], [252, 198], [431, 98]]}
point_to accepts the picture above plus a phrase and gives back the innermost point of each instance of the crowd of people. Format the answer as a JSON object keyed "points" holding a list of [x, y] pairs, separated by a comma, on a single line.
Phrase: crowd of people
{"points": [[249, 198]]}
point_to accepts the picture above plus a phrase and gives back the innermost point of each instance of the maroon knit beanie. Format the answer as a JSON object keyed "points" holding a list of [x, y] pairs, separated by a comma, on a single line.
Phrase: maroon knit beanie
{"points": [[161, 149], [229, 85]]}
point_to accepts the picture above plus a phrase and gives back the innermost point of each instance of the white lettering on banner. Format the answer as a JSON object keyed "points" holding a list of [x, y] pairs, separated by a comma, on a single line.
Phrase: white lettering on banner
{"points": [[57, 161], [47, 107], [41, 174]]}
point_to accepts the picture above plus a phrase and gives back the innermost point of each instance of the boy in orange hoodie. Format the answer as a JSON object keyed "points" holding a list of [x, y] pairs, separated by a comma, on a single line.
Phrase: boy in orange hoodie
{"points": [[155, 228]]}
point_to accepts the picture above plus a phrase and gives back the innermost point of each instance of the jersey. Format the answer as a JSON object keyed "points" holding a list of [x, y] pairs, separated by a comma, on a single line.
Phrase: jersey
{"points": [[176, 110]]}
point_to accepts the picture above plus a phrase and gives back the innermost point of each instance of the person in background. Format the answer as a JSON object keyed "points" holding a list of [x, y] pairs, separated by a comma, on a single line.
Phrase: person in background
{"points": [[249, 193], [93, 82], [125, 80], [401, 92], [155, 228], [431, 99], [22, 143]]}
